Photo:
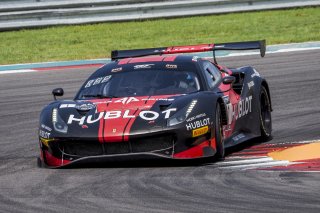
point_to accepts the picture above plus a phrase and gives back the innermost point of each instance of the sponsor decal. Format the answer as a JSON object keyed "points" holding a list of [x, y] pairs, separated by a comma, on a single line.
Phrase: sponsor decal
{"points": [[229, 108], [44, 134], [117, 69], [143, 66], [242, 108], [238, 137], [200, 131], [45, 142], [196, 117], [250, 84], [226, 99], [97, 81], [171, 66], [195, 58], [127, 100], [198, 124], [85, 107], [255, 74], [145, 115], [46, 127], [157, 99], [67, 106]]}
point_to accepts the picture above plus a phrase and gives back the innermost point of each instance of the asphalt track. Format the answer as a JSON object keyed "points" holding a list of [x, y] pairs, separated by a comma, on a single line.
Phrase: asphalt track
{"points": [[295, 87]]}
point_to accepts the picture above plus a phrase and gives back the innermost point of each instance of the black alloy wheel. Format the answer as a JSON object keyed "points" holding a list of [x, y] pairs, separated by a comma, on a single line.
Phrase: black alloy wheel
{"points": [[219, 134]]}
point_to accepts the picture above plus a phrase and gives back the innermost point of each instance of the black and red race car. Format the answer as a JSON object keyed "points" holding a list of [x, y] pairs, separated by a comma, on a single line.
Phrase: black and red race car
{"points": [[158, 103]]}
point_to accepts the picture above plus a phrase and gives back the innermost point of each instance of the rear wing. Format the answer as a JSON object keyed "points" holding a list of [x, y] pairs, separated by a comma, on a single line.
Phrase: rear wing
{"points": [[246, 45]]}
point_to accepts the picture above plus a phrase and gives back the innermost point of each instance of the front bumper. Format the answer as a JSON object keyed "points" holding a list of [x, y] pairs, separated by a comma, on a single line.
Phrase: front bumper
{"points": [[200, 151], [165, 145]]}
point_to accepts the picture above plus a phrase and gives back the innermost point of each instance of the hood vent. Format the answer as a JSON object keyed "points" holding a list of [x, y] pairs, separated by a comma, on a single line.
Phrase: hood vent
{"points": [[164, 106]]}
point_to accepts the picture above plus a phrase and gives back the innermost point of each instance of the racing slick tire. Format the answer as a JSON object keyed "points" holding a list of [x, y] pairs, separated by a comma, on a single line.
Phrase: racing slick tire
{"points": [[265, 115], [219, 134]]}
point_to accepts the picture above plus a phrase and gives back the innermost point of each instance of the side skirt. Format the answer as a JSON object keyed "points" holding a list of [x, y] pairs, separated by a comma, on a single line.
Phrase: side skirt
{"points": [[238, 138]]}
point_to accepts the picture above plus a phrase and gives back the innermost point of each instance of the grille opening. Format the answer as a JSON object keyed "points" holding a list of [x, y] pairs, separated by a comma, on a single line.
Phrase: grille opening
{"points": [[81, 148], [152, 143], [93, 148]]}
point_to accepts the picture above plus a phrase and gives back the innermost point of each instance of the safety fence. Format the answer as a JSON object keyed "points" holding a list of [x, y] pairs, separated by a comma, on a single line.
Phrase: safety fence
{"points": [[19, 14]]}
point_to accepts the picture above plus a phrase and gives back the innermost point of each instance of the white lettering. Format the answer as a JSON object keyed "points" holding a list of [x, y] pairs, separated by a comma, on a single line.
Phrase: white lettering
{"points": [[105, 79], [189, 127], [90, 121], [250, 99], [89, 83], [242, 108], [145, 115], [198, 124], [168, 111], [112, 114], [230, 113], [97, 81], [250, 84], [126, 100], [44, 134], [126, 114], [142, 114], [72, 118]]}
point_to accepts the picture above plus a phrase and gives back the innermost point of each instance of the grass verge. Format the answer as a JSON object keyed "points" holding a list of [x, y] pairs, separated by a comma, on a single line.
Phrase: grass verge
{"points": [[97, 40]]}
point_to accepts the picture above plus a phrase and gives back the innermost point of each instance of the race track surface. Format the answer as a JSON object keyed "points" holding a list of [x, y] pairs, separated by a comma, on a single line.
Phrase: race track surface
{"points": [[294, 80]]}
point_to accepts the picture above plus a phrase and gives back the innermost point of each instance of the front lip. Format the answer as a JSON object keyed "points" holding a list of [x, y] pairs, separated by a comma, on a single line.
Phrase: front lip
{"points": [[101, 160]]}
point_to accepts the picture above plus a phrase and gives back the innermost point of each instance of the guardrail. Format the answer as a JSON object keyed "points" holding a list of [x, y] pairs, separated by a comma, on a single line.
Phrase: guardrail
{"points": [[18, 14]]}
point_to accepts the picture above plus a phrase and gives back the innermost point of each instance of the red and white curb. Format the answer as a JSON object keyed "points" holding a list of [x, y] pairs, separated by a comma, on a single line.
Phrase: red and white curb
{"points": [[257, 157]]}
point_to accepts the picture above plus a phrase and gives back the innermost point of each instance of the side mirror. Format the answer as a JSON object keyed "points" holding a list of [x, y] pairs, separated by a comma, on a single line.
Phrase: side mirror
{"points": [[57, 92], [228, 80]]}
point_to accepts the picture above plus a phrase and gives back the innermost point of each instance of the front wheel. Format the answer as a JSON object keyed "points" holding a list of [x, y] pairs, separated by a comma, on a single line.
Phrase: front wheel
{"points": [[265, 114], [219, 133]]}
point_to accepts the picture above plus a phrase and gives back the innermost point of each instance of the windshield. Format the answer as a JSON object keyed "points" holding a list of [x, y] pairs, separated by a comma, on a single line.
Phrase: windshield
{"points": [[140, 83]]}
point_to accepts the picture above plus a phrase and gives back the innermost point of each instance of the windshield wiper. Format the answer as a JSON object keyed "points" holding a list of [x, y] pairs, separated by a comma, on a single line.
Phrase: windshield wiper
{"points": [[99, 96]]}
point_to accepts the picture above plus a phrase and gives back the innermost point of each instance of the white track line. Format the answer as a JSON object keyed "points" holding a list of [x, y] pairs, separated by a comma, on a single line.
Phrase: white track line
{"points": [[247, 161], [260, 165]]}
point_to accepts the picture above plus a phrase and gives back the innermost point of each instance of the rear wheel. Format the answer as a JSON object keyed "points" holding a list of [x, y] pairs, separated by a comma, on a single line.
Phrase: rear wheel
{"points": [[265, 114], [219, 134]]}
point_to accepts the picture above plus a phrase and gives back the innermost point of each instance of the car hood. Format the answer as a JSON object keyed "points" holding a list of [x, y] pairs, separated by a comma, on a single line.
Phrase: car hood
{"points": [[115, 119]]}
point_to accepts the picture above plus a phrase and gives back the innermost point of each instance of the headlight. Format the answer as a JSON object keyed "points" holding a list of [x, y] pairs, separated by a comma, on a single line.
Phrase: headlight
{"points": [[182, 115], [58, 124]]}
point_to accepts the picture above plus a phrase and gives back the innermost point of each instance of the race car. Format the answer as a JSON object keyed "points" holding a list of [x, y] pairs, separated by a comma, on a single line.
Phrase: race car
{"points": [[158, 103]]}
